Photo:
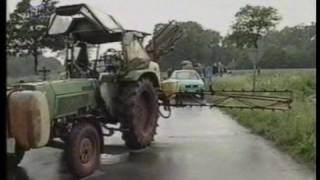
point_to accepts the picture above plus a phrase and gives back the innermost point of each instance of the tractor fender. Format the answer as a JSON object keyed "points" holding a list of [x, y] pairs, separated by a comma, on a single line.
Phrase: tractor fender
{"points": [[152, 73]]}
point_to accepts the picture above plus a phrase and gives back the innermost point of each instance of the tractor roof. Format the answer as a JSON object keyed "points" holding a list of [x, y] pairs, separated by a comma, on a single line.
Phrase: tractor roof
{"points": [[85, 24]]}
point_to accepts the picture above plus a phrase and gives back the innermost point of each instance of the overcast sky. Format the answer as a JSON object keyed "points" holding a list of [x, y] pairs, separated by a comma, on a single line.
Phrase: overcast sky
{"points": [[218, 15]]}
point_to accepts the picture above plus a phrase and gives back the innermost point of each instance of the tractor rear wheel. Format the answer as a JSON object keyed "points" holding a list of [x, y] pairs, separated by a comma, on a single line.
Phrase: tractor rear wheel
{"points": [[83, 149], [139, 114]]}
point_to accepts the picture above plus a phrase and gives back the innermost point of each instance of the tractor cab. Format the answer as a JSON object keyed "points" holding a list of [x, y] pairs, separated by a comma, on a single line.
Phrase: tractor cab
{"points": [[85, 27]]}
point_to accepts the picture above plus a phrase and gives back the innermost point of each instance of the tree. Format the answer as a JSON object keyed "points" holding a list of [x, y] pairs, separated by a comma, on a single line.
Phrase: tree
{"points": [[27, 30], [252, 23], [197, 45], [291, 47], [272, 56]]}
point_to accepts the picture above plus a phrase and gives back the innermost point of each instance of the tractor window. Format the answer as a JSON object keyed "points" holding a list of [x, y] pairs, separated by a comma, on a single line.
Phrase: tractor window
{"points": [[60, 24]]}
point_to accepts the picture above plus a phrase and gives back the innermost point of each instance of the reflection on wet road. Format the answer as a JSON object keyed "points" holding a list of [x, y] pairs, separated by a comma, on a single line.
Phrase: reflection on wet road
{"points": [[193, 144]]}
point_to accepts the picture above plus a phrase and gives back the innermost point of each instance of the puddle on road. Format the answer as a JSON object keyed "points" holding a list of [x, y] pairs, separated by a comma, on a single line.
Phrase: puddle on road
{"points": [[109, 159], [117, 154]]}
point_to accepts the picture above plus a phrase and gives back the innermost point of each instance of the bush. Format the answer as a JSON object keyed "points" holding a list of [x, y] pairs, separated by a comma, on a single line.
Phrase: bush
{"points": [[23, 66]]}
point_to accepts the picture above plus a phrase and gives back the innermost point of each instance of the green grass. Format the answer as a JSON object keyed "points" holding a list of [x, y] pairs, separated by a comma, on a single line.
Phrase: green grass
{"points": [[292, 131]]}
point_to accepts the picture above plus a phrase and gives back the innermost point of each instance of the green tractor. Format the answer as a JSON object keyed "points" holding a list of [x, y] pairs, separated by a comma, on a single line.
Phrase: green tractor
{"points": [[120, 87]]}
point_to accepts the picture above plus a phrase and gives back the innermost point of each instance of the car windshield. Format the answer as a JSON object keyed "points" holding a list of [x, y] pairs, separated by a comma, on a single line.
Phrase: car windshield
{"points": [[185, 75]]}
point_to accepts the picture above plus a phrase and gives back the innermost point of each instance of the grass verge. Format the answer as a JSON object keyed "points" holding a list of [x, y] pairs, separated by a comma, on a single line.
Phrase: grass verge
{"points": [[292, 131]]}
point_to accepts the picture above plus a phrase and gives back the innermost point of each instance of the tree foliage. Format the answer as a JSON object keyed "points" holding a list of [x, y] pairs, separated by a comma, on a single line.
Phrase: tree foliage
{"points": [[251, 24], [296, 44], [197, 45], [291, 47], [27, 30]]}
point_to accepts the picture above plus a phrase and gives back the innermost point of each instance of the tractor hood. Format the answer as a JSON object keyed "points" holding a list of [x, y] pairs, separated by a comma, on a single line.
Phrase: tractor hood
{"points": [[85, 24]]}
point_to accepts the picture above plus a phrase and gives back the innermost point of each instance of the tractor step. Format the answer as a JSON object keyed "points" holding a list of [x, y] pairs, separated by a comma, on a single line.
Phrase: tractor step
{"points": [[111, 130]]}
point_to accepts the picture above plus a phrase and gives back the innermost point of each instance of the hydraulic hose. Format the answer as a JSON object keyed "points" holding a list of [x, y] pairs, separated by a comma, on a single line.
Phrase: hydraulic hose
{"points": [[166, 108], [165, 104]]}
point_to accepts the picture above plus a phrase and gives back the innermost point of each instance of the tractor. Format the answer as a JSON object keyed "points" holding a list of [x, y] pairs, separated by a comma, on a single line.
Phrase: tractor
{"points": [[119, 88]]}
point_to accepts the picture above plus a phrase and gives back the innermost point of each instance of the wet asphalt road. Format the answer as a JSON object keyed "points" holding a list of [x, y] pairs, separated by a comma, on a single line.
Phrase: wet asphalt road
{"points": [[193, 144]]}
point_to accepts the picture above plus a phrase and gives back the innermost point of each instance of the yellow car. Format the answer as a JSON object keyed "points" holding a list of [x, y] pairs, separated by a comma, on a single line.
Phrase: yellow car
{"points": [[182, 81]]}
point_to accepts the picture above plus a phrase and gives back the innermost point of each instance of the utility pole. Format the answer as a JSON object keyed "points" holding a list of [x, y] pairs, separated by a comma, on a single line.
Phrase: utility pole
{"points": [[254, 62]]}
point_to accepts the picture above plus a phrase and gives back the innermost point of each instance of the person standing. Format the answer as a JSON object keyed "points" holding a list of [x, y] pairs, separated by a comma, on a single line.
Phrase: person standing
{"points": [[220, 69], [208, 75], [169, 72], [214, 68]]}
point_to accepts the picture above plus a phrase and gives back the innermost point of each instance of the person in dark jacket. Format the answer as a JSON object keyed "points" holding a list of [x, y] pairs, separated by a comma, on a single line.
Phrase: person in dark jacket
{"points": [[83, 59], [169, 72], [214, 69]]}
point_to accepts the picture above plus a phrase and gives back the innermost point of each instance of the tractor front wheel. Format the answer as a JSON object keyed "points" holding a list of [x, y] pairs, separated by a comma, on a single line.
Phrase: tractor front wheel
{"points": [[83, 149]]}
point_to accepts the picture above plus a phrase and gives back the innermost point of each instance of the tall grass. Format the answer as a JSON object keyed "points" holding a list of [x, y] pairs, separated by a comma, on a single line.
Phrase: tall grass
{"points": [[292, 131]]}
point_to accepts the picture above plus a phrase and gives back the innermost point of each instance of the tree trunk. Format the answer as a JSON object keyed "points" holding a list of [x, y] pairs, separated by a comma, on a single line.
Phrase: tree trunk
{"points": [[35, 56], [255, 69]]}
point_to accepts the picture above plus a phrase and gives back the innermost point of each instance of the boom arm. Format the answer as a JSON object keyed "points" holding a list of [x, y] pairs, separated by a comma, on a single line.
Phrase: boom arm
{"points": [[164, 40], [240, 99]]}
